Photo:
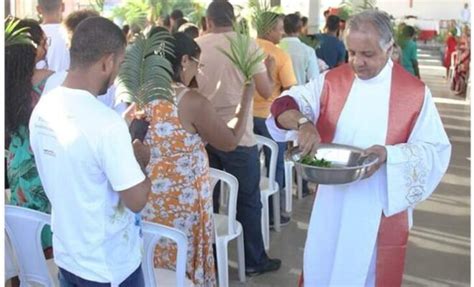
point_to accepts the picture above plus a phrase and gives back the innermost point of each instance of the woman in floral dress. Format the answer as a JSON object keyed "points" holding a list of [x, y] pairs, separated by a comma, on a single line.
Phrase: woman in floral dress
{"points": [[179, 169], [23, 87]]}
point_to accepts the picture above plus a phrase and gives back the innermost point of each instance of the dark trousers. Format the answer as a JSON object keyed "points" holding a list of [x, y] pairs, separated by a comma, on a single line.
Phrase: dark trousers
{"points": [[67, 279], [243, 163], [260, 128]]}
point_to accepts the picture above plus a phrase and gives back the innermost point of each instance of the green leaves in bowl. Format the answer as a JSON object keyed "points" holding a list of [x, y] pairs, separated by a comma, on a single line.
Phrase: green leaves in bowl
{"points": [[313, 161]]}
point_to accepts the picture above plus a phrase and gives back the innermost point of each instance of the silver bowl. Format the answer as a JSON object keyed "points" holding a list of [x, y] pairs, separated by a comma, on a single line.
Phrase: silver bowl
{"points": [[348, 164]]}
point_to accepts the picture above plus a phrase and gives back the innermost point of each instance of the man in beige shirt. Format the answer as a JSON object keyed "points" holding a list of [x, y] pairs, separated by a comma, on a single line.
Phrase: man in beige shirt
{"points": [[222, 84]]}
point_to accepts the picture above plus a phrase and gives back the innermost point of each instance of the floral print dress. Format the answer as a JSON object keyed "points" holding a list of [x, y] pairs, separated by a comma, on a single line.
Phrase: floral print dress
{"points": [[23, 178], [181, 195]]}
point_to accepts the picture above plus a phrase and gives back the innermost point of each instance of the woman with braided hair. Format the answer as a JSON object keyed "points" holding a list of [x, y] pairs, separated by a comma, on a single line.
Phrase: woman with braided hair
{"points": [[23, 87]]}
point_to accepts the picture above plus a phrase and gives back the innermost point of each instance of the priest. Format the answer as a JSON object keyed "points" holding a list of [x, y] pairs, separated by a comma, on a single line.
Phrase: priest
{"points": [[358, 232]]}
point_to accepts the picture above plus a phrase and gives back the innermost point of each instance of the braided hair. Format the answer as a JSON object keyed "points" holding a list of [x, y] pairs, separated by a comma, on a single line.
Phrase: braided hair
{"points": [[19, 69]]}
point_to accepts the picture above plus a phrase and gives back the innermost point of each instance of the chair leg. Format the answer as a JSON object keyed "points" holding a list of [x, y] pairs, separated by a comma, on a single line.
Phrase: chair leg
{"points": [[222, 263], [288, 187], [241, 256], [276, 211], [299, 183], [265, 223]]}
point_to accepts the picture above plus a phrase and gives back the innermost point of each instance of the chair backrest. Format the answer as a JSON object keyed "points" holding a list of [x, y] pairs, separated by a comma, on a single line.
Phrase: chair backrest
{"points": [[272, 145], [233, 188], [454, 58], [11, 268], [152, 232], [23, 227]]}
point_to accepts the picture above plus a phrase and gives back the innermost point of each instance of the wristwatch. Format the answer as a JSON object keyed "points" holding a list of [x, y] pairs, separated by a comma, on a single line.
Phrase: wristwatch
{"points": [[302, 121]]}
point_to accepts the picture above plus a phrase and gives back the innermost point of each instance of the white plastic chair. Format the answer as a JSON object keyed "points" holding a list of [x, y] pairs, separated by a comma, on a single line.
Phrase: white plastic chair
{"points": [[452, 67], [299, 185], [227, 227], [23, 227], [269, 187], [11, 268], [289, 165], [289, 170], [152, 232]]}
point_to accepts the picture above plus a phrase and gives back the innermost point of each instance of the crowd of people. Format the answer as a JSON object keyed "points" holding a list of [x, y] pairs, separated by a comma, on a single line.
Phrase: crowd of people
{"points": [[457, 56], [71, 153]]}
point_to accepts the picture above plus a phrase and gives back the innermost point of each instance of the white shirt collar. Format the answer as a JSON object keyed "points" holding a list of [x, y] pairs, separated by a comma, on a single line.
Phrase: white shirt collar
{"points": [[291, 39], [382, 75]]}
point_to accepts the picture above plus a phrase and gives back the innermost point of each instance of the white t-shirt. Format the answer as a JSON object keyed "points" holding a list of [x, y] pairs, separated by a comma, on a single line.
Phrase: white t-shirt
{"points": [[109, 99], [84, 155], [58, 51], [466, 15]]}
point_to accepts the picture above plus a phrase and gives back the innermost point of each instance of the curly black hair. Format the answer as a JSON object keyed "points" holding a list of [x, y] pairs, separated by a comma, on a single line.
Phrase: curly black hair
{"points": [[19, 69]]}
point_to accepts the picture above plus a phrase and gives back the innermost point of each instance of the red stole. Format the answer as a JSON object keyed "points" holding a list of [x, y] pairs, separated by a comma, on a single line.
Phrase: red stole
{"points": [[406, 100]]}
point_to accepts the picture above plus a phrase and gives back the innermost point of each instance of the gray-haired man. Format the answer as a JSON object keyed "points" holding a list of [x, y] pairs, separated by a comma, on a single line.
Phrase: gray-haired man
{"points": [[358, 232]]}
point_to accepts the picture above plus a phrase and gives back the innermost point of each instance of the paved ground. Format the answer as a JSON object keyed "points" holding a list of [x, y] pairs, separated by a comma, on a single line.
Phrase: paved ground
{"points": [[439, 247]]}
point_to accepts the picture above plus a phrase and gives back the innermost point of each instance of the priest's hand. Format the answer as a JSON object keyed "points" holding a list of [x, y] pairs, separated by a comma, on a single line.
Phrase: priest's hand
{"points": [[381, 153], [308, 139]]}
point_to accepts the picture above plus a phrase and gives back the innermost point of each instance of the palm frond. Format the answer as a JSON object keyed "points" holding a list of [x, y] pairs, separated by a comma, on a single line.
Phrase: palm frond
{"points": [[263, 15], [310, 41], [14, 36], [146, 73], [134, 12], [154, 10], [97, 5], [241, 54]]}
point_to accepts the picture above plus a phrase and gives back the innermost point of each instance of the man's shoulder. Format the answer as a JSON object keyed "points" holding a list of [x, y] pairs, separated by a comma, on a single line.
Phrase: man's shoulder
{"points": [[411, 44], [307, 48], [283, 55], [53, 29], [203, 38], [210, 38], [277, 52], [105, 114]]}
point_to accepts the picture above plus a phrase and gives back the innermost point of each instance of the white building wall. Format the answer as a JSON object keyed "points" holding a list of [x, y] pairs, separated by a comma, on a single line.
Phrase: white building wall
{"points": [[424, 9]]}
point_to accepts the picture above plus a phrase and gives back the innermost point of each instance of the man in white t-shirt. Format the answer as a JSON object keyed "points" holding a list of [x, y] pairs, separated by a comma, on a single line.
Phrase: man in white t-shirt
{"points": [[111, 98], [57, 56], [86, 163]]}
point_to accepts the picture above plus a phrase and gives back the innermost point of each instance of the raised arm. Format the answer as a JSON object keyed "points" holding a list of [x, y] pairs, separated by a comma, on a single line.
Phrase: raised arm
{"points": [[195, 110], [264, 81]]}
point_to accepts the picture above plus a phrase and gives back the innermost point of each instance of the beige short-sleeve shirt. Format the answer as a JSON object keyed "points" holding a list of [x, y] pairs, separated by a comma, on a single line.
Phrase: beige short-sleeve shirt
{"points": [[222, 83]]}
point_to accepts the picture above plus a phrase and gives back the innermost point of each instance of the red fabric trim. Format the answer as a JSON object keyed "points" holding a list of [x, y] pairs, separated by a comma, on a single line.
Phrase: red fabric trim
{"points": [[301, 280], [407, 94], [281, 105], [391, 249], [406, 100], [336, 88]]}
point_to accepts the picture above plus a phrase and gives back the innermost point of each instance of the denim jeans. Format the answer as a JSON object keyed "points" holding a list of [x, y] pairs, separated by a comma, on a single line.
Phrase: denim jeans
{"points": [[243, 163], [260, 128], [67, 279]]}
